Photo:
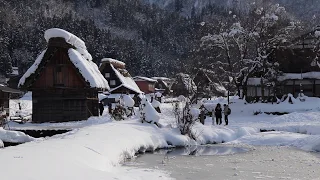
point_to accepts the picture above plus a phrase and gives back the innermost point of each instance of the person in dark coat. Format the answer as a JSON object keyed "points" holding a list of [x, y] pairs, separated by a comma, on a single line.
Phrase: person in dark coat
{"points": [[218, 114], [101, 107], [226, 112], [202, 114]]}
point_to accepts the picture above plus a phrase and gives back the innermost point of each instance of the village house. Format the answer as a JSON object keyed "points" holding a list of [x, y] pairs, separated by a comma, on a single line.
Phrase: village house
{"points": [[206, 86], [118, 77], [183, 85], [14, 78], [5, 95], [300, 71], [146, 85], [163, 85], [64, 80]]}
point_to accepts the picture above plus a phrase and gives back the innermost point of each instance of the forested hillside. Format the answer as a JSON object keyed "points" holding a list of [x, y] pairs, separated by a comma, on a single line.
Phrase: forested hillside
{"points": [[151, 39]]}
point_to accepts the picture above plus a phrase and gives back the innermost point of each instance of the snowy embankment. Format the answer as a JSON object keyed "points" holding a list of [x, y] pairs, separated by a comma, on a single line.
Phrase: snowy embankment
{"points": [[96, 147], [13, 136], [92, 152]]}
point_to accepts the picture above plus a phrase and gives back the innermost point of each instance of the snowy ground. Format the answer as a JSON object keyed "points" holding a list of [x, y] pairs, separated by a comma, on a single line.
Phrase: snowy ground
{"points": [[96, 148]]}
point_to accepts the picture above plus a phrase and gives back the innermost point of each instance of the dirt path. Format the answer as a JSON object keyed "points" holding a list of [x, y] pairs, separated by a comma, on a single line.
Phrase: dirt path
{"points": [[260, 163]]}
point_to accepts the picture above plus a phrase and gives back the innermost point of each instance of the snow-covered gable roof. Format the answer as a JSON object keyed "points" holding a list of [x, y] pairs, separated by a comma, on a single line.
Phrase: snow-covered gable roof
{"points": [[113, 61], [127, 81], [307, 75], [187, 81], [141, 78], [79, 56], [161, 78]]}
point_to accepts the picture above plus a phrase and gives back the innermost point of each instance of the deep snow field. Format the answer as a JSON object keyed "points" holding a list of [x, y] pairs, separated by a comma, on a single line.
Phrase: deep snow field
{"points": [[96, 148]]}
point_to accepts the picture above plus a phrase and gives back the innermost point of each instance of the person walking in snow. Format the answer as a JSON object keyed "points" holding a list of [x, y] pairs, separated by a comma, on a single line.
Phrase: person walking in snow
{"points": [[218, 114], [202, 114], [226, 112], [101, 107]]}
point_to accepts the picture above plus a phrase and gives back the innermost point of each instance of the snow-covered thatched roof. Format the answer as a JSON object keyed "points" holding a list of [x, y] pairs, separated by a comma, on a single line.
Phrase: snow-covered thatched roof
{"points": [[79, 56], [141, 78], [307, 75], [114, 62], [126, 80]]}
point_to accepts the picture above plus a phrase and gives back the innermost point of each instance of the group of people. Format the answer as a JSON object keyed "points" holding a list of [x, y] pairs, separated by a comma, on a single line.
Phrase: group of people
{"points": [[218, 113]]}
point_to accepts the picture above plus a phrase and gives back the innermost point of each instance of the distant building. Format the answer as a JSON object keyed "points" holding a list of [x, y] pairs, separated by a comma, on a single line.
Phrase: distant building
{"points": [[5, 95], [163, 85], [146, 85], [183, 85], [301, 72], [206, 87], [64, 80], [118, 77], [14, 78]]}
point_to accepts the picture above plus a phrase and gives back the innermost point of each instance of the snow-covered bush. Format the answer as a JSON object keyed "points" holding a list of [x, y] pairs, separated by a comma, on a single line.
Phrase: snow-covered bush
{"points": [[128, 104], [186, 119], [302, 97], [290, 99], [148, 113], [156, 105], [119, 111]]}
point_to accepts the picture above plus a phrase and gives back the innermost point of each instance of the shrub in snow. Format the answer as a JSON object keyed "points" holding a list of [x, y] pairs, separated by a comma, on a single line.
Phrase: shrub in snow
{"points": [[302, 97], [290, 99], [156, 105], [128, 103], [148, 113], [118, 113], [195, 112], [158, 96], [186, 119]]}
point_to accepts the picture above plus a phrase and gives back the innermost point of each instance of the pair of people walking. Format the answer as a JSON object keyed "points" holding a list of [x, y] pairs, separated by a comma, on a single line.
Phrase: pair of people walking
{"points": [[218, 113]]}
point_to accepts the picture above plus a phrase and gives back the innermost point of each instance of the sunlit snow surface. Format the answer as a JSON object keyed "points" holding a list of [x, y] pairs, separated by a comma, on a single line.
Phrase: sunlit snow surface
{"points": [[95, 148]]}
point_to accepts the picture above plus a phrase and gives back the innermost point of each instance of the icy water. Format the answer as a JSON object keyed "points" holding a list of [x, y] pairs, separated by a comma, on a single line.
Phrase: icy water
{"points": [[227, 162], [208, 150]]}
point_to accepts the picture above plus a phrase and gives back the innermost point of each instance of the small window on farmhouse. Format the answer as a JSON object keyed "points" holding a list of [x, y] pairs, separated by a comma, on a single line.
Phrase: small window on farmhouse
{"points": [[107, 75], [113, 82], [151, 86], [58, 76]]}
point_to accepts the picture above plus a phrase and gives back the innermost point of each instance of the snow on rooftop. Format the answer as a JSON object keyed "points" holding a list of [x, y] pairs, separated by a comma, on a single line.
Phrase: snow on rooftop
{"points": [[113, 61], [220, 88], [69, 37], [32, 69], [307, 75], [161, 78], [127, 82], [137, 78], [88, 69], [80, 57]]}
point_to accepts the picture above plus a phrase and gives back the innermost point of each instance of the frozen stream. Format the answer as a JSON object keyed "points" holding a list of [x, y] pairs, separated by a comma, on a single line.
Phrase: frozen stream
{"points": [[228, 162]]}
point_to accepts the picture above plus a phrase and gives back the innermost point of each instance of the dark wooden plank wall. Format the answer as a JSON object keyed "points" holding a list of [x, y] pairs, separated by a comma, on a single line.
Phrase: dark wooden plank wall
{"points": [[55, 105], [59, 72], [106, 68]]}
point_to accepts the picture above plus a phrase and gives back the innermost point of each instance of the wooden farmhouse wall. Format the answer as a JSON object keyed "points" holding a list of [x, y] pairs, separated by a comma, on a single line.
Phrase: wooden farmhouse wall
{"points": [[109, 74], [59, 91]]}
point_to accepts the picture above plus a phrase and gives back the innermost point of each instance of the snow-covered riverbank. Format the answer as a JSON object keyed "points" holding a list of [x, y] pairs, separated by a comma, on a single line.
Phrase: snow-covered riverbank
{"points": [[96, 148]]}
